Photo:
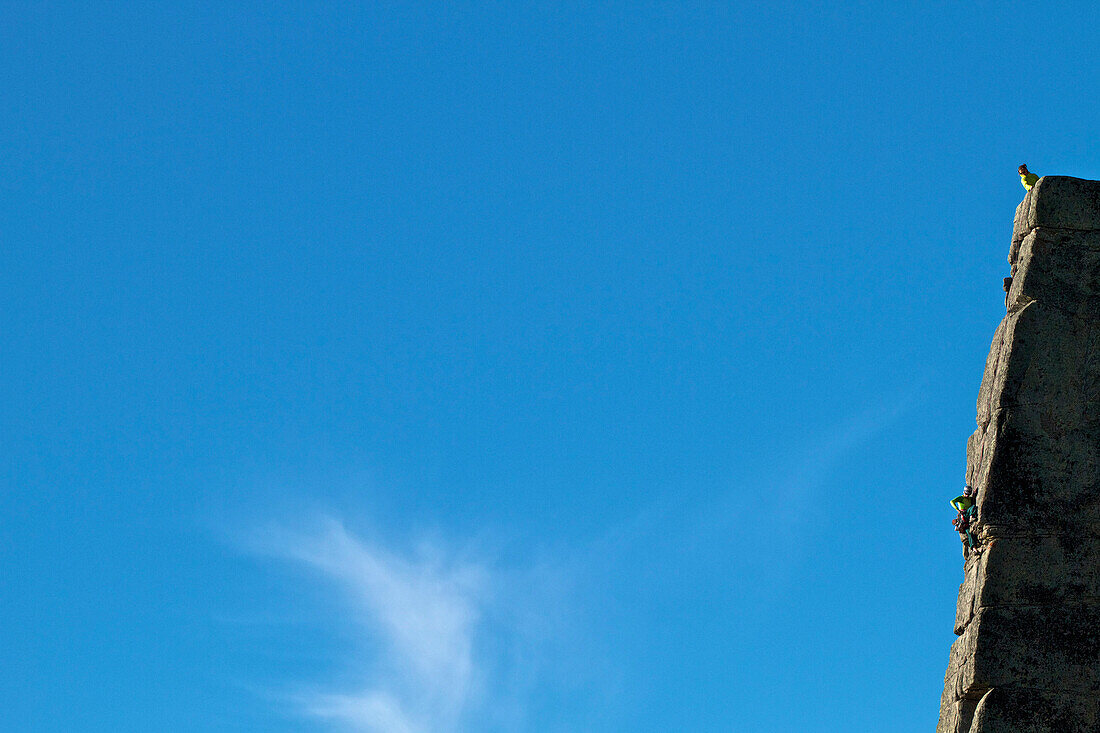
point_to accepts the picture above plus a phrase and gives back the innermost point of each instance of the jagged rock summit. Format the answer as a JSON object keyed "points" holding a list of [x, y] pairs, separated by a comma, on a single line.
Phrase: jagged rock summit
{"points": [[1028, 616]]}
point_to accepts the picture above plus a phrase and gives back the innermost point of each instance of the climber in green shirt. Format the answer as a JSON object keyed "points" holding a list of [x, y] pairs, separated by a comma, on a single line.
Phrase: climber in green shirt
{"points": [[968, 513], [1027, 177]]}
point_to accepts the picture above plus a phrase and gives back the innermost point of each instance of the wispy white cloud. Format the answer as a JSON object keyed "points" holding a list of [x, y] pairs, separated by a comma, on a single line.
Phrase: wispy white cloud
{"points": [[369, 710], [417, 619]]}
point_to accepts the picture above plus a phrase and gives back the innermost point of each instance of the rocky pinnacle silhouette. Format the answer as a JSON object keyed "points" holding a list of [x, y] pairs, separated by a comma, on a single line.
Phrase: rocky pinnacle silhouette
{"points": [[1028, 615]]}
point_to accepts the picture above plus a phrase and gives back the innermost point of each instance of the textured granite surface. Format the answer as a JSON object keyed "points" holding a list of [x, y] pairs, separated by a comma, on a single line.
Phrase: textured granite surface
{"points": [[1028, 615]]}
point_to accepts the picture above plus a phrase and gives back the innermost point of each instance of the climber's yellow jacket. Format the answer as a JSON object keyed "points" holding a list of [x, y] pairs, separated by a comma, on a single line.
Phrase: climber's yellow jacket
{"points": [[1028, 179]]}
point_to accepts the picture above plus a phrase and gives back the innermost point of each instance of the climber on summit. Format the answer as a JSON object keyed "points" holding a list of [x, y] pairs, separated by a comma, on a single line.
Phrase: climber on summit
{"points": [[968, 512], [1027, 177]]}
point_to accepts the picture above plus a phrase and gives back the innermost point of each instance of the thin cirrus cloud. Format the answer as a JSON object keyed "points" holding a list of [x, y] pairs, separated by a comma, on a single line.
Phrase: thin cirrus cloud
{"points": [[417, 620]]}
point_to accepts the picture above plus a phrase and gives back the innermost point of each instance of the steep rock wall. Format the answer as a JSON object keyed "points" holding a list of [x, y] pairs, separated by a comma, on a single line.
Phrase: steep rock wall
{"points": [[1028, 615]]}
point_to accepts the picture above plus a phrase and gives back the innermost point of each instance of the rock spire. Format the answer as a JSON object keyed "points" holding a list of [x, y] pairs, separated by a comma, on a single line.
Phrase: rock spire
{"points": [[1028, 615]]}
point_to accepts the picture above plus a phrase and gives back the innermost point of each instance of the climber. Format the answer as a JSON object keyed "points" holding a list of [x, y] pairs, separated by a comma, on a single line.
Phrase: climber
{"points": [[1027, 177], [968, 512]]}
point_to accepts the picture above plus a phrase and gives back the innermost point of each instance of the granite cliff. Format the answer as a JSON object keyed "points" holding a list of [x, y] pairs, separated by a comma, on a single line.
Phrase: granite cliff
{"points": [[1028, 615]]}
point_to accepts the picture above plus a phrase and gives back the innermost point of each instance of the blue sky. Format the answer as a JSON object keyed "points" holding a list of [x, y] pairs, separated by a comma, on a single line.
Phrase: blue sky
{"points": [[503, 367]]}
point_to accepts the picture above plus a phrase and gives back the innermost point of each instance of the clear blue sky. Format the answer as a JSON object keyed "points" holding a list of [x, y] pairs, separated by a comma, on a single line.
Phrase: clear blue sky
{"points": [[455, 367]]}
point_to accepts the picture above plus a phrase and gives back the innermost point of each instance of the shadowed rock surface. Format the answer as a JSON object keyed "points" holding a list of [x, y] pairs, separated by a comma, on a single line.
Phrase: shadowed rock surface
{"points": [[1028, 616]]}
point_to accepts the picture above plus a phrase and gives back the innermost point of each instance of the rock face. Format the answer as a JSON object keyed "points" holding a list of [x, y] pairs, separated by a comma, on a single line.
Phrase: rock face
{"points": [[1028, 616]]}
